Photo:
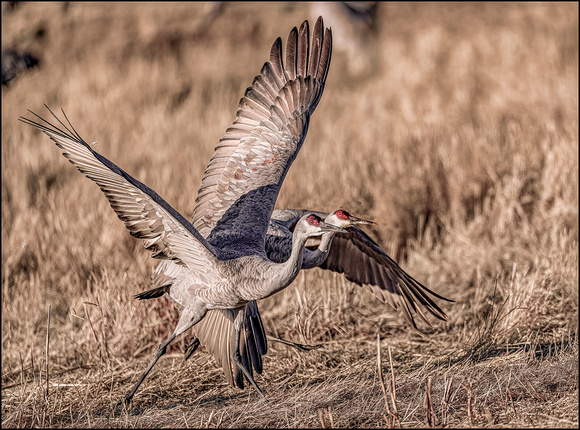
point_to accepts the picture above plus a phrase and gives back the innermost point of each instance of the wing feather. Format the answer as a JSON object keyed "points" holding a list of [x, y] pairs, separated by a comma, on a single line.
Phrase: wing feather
{"points": [[291, 54], [363, 262], [325, 54], [265, 86], [303, 49], [258, 148], [213, 333], [317, 40], [274, 80], [216, 333], [167, 234]]}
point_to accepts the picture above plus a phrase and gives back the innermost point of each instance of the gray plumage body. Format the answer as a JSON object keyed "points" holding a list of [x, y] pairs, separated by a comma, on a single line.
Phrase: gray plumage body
{"points": [[237, 281]]}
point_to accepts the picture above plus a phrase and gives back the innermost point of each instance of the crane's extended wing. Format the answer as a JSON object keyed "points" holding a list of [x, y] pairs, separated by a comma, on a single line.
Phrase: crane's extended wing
{"points": [[242, 180], [364, 262], [147, 216]]}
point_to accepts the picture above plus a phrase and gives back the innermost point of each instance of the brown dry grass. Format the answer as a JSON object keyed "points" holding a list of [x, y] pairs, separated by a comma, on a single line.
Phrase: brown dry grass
{"points": [[457, 131]]}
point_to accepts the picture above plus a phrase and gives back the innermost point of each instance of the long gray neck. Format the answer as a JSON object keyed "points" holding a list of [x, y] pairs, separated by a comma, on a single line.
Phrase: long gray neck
{"points": [[325, 241], [293, 265], [284, 273]]}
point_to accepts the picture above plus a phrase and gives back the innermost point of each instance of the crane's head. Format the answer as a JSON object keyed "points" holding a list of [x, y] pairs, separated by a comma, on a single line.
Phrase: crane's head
{"points": [[312, 225], [342, 218]]}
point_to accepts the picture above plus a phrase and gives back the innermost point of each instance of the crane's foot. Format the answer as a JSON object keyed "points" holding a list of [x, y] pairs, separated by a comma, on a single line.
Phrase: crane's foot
{"points": [[295, 345], [120, 406], [191, 347]]}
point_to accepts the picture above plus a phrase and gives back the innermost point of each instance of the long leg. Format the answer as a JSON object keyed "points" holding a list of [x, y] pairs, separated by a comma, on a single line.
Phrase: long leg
{"points": [[238, 324], [160, 351]]}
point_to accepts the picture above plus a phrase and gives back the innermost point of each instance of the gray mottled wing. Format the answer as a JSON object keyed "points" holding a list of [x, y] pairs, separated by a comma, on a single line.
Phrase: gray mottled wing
{"points": [[364, 262], [242, 180], [146, 215]]}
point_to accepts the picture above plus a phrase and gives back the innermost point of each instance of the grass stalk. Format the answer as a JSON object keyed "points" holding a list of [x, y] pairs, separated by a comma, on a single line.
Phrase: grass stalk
{"points": [[47, 347]]}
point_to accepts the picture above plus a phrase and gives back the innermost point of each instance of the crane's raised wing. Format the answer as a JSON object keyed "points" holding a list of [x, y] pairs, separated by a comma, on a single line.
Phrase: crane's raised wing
{"points": [[242, 180], [147, 216], [364, 262]]}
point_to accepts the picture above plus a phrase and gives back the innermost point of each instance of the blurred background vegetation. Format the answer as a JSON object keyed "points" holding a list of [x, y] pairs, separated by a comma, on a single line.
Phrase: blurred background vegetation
{"points": [[453, 125]]}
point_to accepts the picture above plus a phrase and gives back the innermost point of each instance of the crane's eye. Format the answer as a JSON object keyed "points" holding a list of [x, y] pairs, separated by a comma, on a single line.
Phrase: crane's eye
{"points": [[340, 214], [313, 220]]}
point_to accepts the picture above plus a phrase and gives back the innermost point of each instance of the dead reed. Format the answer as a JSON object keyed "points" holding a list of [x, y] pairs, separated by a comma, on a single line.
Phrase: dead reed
{"points": [[457, 132]]}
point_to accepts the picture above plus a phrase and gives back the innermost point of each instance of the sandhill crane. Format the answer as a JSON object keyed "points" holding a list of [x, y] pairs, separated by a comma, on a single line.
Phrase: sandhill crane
{"points": [[224, 248], [353, 253]]}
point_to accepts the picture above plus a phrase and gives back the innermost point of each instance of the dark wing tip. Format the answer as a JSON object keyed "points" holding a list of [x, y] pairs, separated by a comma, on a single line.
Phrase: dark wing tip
{"points": [[303, 50], [153, 293], [66, 132], [328, 50], [291, 53], [362, 261], [318, 25]]}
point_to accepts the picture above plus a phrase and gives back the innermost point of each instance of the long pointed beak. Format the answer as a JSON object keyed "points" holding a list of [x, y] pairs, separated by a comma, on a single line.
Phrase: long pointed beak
{"points": [[329, 227], [356, 220]]}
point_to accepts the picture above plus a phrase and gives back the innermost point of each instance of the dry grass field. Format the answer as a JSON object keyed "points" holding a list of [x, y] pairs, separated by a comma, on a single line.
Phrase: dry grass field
{"points": [[453, 126]]}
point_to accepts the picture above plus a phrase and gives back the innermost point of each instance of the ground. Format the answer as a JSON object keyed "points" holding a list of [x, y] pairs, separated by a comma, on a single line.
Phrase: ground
{"points": [[453, 126]]}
